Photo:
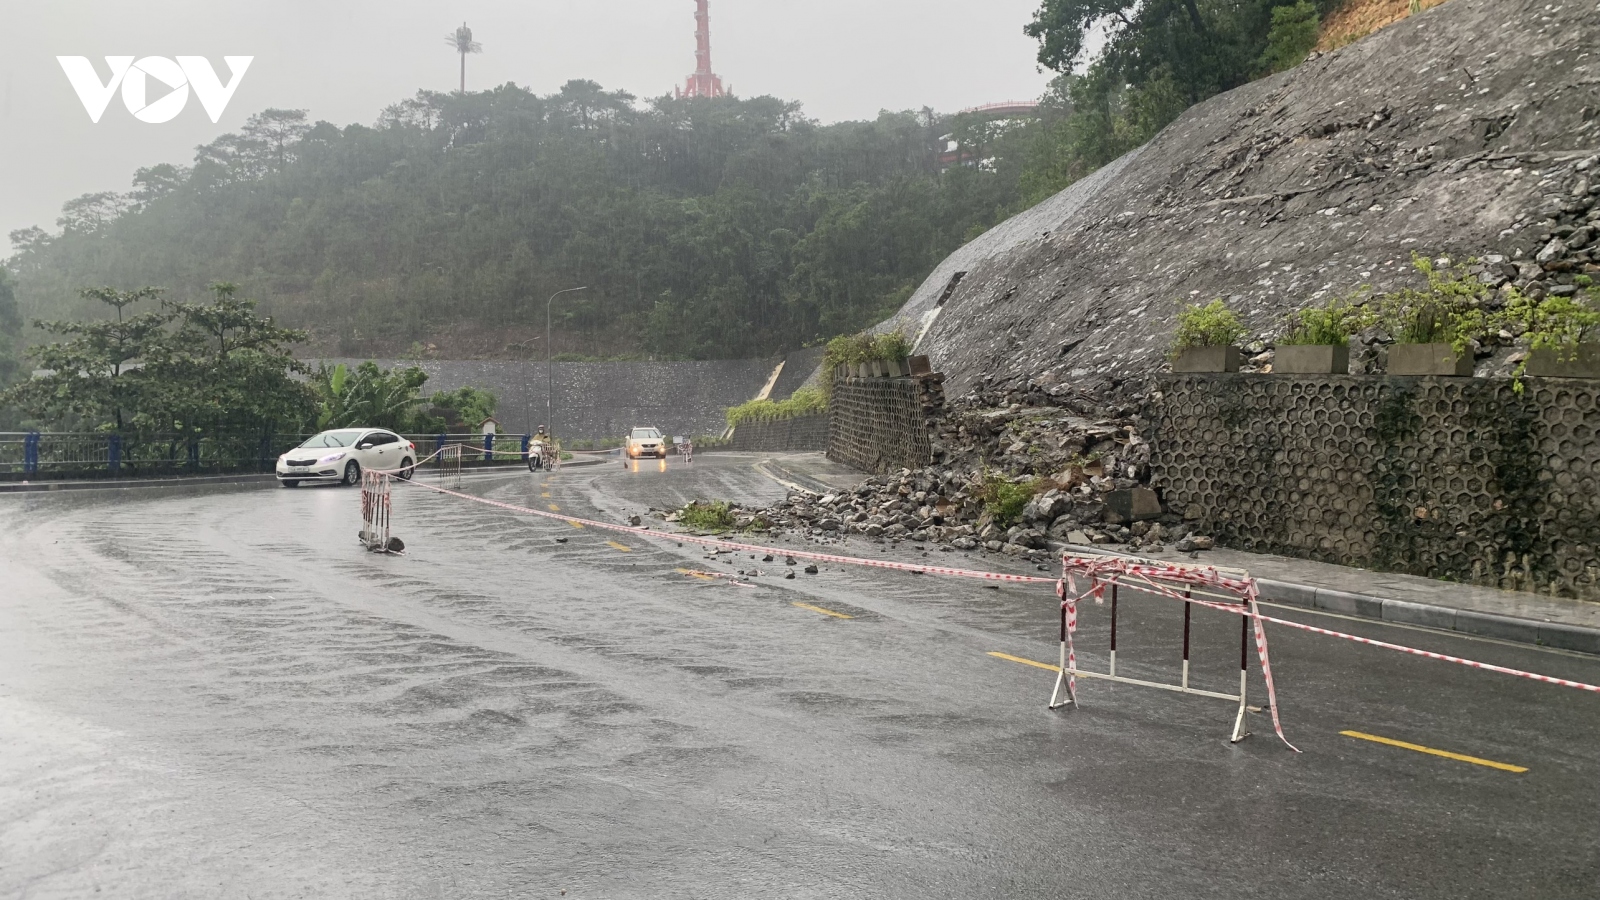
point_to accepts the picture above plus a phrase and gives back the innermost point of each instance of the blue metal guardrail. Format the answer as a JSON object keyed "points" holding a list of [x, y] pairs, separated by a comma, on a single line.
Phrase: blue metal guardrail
{"points": [[92, 455]]}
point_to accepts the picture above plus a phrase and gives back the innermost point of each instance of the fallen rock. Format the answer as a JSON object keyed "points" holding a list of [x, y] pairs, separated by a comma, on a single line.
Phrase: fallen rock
{"points": [[1132, 505]]}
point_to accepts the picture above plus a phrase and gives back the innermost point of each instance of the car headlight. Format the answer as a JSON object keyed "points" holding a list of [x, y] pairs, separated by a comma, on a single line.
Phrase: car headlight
{"points": [[332, 457]]}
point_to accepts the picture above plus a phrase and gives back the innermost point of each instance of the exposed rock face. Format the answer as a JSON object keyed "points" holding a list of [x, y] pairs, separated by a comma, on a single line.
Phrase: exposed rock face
{"points": [[1468, 130]]}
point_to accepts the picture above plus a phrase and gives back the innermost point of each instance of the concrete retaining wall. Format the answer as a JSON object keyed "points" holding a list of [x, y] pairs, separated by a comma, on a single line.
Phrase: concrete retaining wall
{"points": [[883, 424], [802, 433], [1453, 478]]}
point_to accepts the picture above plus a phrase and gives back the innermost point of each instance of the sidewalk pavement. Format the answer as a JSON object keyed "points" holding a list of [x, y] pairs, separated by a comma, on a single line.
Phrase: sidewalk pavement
{"points": [[1407, 599], [1516, 616]]}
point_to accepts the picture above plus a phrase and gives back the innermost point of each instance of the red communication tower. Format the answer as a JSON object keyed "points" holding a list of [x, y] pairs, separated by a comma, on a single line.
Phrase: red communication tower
{"points": [[703, 83]]}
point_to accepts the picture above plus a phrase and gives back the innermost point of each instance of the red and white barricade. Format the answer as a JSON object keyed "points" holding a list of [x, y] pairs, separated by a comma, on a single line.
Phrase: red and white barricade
{"points": [[376, 506], [447, 465], [1084, 578]]}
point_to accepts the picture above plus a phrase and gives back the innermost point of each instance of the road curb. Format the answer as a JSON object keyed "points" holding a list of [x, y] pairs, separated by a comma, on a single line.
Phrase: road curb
{"points": [[816, 485], [1557, 635]]}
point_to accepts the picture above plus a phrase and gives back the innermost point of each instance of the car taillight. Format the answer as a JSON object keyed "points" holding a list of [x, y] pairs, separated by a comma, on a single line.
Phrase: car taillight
{"points": [[410, 445]]}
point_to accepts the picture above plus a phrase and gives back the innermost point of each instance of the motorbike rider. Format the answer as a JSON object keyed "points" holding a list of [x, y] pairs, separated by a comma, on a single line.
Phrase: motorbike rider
{"points": [[536, 452]]}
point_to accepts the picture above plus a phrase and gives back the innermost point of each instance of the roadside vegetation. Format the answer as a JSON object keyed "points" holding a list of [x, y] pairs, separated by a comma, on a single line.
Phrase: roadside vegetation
{"points": [[1004, 498], [804, 402], [710, 516], [153, 365]]}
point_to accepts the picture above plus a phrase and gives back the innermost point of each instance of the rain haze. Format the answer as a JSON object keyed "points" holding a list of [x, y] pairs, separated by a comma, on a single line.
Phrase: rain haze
{"points": [[344, 62]]}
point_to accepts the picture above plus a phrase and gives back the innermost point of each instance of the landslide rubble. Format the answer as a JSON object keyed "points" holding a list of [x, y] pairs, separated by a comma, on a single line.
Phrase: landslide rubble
{"points": [[1074, 473], [1470, 131]]}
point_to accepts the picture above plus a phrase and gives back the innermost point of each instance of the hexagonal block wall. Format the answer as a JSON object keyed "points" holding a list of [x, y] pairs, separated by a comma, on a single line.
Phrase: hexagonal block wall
{"points": [[1462, 479]]}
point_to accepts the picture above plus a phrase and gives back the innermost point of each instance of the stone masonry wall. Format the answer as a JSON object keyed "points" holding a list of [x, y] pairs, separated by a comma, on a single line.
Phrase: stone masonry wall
{"points": [[602, 399], [1453, 478], [796, 434], [883, 424]]}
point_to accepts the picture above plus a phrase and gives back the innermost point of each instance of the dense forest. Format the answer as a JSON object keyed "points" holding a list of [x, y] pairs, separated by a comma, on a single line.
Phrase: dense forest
{"points": [[702, 228]]}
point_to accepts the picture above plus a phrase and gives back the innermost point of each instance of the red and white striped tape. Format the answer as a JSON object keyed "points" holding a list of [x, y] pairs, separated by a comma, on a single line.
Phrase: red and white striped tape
{"points": [[1443, 657], [747, 548], [1199, 575], [1401, 648]]}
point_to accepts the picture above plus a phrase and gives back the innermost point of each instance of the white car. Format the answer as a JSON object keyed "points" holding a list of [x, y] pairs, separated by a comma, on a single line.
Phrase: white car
{"points": [[644, 442], [338, 456]]}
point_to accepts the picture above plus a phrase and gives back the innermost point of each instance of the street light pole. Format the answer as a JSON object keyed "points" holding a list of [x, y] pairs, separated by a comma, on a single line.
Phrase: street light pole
{"points": [[549, 378]]}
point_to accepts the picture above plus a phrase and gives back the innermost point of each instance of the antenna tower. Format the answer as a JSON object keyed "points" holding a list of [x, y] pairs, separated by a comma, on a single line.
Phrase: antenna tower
{"points": [[703, 83]]}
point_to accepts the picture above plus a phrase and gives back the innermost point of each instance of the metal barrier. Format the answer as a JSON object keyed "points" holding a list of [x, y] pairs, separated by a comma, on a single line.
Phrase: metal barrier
{"points": [[376, 506], [90, 455], [95, 455], [447, 465], [1233, 591]]}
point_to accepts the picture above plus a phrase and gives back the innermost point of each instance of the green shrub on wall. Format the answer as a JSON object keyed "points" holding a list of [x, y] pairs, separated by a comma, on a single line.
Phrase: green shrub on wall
{"points": [[849, 349], [1323, 325], [804, 402], [1209, 325]]}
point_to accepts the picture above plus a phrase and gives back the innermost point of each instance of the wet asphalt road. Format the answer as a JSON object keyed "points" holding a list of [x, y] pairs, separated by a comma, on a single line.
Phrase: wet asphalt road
{"points": [[217, 694]]}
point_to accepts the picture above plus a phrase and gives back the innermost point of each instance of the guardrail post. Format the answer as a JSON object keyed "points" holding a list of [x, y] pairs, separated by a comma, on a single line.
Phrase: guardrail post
{"points": [[30, 453], [438, 443], [194, 454], [488, 448], [527, 446], [114, 454]]}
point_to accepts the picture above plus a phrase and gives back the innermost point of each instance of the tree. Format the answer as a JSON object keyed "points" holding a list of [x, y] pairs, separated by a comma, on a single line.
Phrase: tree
{"points": [[223, 366], [88, 377], [277, 131], [10, 330], [368, 396], [185, 368], [461, 39], [1293, 34], [465, 406], [155, 182], [90, 213]]}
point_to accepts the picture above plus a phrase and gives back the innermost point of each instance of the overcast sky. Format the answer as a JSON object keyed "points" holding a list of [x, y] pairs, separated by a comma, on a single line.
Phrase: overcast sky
{"points": [[344, 60]]}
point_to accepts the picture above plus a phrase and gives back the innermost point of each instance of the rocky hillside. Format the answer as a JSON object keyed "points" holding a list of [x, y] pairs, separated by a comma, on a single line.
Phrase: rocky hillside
{"points": [[1461, 131]]}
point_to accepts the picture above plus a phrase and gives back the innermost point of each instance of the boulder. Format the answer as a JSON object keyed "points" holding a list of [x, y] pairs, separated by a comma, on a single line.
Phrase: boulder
{"points": [[1047, 507], [1131, 505]]}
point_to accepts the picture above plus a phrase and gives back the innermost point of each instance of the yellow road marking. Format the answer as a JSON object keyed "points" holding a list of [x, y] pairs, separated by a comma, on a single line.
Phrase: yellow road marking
{"points": [[693, 574], [555, 508], [576, 524], [1429, 750], [1027, 662], [826, 612], [616, 546], [545, 495]]}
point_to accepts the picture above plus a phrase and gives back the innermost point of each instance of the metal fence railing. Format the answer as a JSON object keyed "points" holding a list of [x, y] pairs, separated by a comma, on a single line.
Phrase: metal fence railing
{"points": [[105, 455]]}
